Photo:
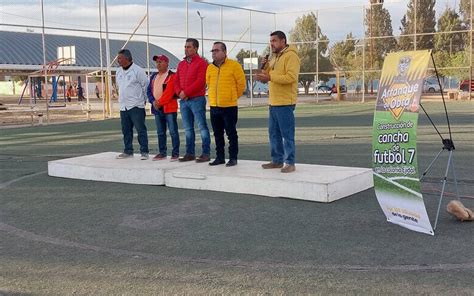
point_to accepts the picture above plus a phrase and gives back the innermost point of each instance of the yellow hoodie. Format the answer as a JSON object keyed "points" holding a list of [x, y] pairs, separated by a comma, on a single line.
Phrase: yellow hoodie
{"points": [[225, 83], [284, 69]]}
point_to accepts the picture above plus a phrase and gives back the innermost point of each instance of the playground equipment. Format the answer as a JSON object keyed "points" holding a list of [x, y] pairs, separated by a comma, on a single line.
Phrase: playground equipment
{"points": [[34, 85], [35, 81]]}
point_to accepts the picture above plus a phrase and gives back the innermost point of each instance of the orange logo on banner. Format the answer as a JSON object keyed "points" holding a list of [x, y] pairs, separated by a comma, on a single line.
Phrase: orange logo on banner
{"points": [[400, 93], [397, 104]]}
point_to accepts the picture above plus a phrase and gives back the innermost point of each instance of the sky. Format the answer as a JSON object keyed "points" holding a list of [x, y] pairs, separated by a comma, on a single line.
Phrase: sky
{"points": [[168, 19]]}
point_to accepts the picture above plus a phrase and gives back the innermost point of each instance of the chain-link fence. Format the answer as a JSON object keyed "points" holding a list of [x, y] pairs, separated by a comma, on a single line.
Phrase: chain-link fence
{"points": [[341, 46]]}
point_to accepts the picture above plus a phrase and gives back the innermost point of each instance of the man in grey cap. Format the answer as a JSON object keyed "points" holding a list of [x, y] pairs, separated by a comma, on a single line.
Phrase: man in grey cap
{"points": [[132, 83]]}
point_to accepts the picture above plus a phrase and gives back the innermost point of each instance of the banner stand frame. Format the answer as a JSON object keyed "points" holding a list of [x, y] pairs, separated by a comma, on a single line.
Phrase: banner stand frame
{"points": [[448, 145]]}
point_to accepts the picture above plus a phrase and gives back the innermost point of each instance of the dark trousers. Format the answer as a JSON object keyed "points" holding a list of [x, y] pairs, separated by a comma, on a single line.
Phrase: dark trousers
{"points": [[225, 119], [134, 117]]}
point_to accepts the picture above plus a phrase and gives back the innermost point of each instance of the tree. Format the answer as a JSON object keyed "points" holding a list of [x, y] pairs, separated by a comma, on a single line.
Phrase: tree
{"points": [[379, 32], [454, 42], [450, 49], [452, 62], [244, 54], [378, 23], [341, 53], [305, 35], [425, 23], [347, 57], [465, 11]]}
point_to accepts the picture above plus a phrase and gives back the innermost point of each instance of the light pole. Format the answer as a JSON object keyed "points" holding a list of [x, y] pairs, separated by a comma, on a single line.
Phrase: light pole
{"points": [[202, 33]]}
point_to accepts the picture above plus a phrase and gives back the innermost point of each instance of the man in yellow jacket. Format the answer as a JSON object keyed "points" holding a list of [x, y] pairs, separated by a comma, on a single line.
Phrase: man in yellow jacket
{"points": [[226, 83], [281, 72]]}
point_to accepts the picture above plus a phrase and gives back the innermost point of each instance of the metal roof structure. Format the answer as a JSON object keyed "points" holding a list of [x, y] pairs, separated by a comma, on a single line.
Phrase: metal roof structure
{"points": [[23, 52]]}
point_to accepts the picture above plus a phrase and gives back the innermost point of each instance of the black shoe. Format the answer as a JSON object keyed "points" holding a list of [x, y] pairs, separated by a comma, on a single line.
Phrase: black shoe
{"points": [[217, 161], [231, 162]]}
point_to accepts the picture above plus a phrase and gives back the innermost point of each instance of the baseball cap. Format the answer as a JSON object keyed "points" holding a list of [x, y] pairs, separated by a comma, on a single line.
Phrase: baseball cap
{"points": [[161, 58]]}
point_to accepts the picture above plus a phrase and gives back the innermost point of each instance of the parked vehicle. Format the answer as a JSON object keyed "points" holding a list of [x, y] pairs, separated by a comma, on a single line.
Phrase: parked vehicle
{"points": [[431, 87], [464, 85], [324, 89], [321, 89], [310, 89]]}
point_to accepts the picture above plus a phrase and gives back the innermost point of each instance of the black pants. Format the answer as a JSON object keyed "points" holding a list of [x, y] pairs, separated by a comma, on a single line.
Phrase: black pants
{"points": [[225, 119]]}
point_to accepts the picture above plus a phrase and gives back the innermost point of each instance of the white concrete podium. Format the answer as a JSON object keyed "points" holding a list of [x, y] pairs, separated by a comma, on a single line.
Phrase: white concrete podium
{"points": [[105, 167], [309, 182]]}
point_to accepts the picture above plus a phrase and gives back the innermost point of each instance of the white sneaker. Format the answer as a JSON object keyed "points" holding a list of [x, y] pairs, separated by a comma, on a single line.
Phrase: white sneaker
{"points": [[123, 155], [144, 156]]}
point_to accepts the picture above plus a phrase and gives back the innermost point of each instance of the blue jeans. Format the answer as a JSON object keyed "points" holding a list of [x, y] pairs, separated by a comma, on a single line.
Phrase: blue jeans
{"points": [[281, 130], [129, 119], [225, 119], [162, 121], [195, 108]]}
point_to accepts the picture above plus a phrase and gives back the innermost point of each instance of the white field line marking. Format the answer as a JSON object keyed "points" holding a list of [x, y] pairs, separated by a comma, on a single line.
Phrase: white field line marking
{"points": [[5, 184], [399, 185]]}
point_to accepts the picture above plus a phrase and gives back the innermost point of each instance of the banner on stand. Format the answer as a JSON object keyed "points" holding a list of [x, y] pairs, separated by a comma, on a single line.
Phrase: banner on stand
{"points": [[394, 153]]}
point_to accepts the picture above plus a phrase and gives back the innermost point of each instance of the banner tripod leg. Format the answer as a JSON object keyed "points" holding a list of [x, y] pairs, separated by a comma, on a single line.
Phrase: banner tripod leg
{"points": [[455, 178], [431, 164], [449, 146], [450, 161]]}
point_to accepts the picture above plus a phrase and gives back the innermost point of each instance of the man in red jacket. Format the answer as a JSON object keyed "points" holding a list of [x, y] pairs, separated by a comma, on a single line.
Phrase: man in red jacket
{"points": [[190, 86], [164, 106]]}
